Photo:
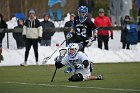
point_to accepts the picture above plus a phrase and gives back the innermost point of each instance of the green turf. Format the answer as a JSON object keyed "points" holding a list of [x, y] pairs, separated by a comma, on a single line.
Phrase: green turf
{"points": [[118, 78]]}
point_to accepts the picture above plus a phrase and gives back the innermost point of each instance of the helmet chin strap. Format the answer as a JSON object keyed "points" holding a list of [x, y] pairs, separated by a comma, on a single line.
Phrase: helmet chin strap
{"points": [[82, 19], [72, 56]]}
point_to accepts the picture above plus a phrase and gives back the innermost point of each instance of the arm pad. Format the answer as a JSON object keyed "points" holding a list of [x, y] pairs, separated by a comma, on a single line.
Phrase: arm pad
{"points": [[85, 63]]}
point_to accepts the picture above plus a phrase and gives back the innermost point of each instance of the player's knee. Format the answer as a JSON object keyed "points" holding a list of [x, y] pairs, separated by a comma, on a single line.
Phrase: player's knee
{"points": [[76, 77]]}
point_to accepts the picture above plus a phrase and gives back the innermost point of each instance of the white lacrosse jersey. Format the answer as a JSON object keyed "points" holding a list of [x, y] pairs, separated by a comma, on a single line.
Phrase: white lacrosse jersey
{"points": [[78, 59]]}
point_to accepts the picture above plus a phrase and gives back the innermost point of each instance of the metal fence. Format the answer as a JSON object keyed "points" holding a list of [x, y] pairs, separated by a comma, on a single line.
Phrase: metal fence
{"points": [[57, 29]]}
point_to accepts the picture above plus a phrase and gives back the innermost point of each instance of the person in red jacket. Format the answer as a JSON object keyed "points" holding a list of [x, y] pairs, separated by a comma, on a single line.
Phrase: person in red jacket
{"points": [[103, 35]]}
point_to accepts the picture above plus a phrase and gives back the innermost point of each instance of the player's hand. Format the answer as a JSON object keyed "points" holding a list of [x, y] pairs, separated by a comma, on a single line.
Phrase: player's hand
{"points": [[79, 66], [24, 37], [39, 39], [58, 63], [1, 58], [111, 36], [58, 59], [95, 37], [89, 41], [69, 36]]}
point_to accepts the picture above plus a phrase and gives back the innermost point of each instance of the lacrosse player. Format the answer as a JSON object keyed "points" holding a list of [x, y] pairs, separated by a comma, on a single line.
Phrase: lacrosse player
{"points": [[82, 29], [78, 62]]}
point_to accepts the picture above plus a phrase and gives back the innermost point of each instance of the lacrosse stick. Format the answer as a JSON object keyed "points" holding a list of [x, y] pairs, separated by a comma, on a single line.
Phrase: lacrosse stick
{"points": [[45, 60], [54, 74], [62, 54]]}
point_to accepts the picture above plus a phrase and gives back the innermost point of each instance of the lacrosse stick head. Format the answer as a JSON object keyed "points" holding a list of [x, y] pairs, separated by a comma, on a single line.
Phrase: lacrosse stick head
{"points": [[45, 60], [62, 52]]}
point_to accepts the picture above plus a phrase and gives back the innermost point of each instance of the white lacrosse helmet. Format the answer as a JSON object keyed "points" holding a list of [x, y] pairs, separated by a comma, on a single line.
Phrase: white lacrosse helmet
{"points": [[73, 49]]}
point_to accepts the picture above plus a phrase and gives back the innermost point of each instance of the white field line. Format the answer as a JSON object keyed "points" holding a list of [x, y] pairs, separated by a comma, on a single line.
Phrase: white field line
{"points": [[68, 86]]}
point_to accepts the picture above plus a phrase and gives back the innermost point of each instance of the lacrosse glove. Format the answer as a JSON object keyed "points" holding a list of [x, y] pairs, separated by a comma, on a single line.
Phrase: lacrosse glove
{"points": [[24, 38], [58, 63], [1, 58], [39, 39], [89, 41], [69, 36], [111, 36], [79, 66]]}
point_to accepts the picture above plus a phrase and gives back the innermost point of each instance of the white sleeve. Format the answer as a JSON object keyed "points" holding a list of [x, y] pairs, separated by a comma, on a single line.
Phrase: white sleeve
{"points": [[40, 31], [24, 30], [83, 56]]}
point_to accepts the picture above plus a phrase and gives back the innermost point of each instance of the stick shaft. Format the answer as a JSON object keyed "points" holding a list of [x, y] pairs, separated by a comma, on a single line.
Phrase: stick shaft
{"points": [[54, 74]]}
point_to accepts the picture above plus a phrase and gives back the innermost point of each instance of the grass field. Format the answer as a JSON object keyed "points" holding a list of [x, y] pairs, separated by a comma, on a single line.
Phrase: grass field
{"points": [[118, 78]]}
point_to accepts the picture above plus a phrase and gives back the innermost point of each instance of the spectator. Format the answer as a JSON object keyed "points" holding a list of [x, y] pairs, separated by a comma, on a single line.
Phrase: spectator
{"points": [[139, 30], [103, 35], [3, 25], [32, 31], [124, 33], [18, 35], [69, 24], [47, 33]]}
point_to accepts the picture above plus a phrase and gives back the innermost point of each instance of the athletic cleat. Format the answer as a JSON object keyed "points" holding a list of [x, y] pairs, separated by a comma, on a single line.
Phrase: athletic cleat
{"points": [[37, 63], [99, 77], [68, 70], [23, 64]]}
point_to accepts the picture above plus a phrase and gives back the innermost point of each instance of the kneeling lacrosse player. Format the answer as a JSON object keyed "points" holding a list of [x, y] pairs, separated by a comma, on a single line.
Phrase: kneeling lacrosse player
{"points": [[78, 61]]}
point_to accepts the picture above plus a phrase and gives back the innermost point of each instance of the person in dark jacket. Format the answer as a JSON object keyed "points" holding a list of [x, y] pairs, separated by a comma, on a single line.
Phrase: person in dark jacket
{"points": [[124, 33], [47, 34], [138, 30], [3, 25], [18, 35], [69, 24]]}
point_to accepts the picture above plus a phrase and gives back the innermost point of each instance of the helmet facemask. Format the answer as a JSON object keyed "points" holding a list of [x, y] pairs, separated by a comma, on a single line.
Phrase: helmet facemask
{"points": [[82, 12], [73, 49]]}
